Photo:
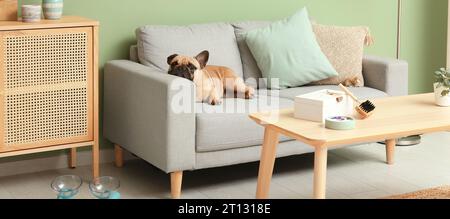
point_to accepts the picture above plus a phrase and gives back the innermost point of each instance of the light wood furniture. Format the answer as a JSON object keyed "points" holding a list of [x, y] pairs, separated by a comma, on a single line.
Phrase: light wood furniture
{"points": [[49, 87], [176, 178], [394, 117], [8, 10], [118, 155]]}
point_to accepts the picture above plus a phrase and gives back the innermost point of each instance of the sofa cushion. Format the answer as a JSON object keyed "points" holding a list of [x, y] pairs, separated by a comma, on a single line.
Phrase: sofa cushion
{"points": [[228, 126], [344, 47], [360, 92], [252, 73], [287, 50], [247, 154], [156, 43]]}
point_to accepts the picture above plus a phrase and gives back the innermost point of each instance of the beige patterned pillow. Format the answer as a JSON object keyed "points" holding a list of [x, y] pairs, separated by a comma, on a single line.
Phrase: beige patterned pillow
{"points": [[344, 47]]}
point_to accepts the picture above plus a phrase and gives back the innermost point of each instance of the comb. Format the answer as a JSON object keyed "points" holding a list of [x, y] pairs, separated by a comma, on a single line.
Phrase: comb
{"points": [[365, 109]]}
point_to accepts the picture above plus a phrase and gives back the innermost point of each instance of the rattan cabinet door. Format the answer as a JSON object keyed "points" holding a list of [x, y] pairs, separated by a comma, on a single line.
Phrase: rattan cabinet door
{"points": [[46, 87]]}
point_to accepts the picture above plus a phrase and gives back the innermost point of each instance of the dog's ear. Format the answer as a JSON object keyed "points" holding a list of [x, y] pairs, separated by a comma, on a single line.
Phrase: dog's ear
{"points": [[203, 58], [170, 58]]}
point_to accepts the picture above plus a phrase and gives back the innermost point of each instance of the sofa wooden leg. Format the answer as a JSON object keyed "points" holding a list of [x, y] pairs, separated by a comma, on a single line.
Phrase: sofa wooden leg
{"points": [[73, 158], [118, 154], [176, 179]]}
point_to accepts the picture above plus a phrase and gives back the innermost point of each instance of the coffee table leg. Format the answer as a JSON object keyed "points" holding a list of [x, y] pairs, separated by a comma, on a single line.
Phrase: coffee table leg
{"points": [[320, 172], [266, 165], [390, 151], [96, 160]]}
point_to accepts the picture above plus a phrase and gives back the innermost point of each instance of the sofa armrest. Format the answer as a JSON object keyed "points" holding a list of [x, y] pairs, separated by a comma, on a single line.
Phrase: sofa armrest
{"points": [[386, 74], [151, 114]]}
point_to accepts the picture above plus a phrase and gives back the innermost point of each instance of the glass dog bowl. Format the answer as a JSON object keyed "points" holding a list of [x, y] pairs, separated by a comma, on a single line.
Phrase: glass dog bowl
{"points": [[105, 187], [67, 186]]}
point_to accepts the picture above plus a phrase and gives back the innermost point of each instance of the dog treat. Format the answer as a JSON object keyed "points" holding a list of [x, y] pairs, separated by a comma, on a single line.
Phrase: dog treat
{"points": [[339, 97]]}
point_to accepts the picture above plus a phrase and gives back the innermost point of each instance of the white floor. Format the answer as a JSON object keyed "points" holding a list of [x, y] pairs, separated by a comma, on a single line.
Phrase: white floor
{"points": [[357, 172]]}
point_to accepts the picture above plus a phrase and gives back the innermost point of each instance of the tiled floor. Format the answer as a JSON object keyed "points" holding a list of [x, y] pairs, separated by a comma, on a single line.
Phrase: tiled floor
{"points": [[357, 172]]}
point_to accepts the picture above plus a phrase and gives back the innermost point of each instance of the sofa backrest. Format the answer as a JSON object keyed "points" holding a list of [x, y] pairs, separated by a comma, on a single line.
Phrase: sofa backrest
{"points": [[157, 42], [216, 36], [134, 53], [250, 68]]}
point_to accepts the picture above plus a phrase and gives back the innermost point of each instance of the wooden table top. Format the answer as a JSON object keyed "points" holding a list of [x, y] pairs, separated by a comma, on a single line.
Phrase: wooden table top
{"points": [[394, 117]]}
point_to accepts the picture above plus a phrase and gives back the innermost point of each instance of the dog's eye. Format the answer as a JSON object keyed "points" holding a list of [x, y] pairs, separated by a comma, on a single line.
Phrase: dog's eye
{"points": [[192, 67]]}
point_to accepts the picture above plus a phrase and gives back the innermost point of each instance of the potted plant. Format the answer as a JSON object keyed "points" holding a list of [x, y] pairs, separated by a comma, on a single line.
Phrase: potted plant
{"points": [[442, 87]]}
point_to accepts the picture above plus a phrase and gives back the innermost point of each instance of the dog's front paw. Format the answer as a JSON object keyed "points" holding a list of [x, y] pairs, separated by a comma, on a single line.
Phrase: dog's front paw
{"points": [[216, 102], [249, 93]]}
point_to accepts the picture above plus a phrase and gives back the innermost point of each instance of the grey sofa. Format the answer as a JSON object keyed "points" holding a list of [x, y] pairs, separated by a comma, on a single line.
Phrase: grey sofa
{"points": [[137, 98]]}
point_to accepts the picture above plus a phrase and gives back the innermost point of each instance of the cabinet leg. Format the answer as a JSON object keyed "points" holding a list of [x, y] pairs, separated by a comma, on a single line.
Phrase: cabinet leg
{"points": [[73, 158], [96, 160], [118, 154], [176, 180]]}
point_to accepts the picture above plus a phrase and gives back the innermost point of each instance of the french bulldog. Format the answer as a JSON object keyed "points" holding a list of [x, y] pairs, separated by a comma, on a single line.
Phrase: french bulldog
{"points": [[212, 82]]}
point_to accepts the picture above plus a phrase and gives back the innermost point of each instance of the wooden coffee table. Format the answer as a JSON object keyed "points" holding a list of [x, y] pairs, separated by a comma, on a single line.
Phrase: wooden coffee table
{"points": [[395, 117]]}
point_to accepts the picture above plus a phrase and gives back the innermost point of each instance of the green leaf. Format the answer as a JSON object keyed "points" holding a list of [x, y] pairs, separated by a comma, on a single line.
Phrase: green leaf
{"points": [[443, 77], [447, 83]]}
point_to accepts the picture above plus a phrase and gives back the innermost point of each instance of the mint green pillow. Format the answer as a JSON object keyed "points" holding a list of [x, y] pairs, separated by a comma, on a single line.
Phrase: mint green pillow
{"points": [[288, 50]]}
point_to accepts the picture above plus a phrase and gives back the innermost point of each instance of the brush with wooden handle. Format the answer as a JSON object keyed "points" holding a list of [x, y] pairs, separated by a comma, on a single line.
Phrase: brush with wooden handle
{"points": [[365, 109]]}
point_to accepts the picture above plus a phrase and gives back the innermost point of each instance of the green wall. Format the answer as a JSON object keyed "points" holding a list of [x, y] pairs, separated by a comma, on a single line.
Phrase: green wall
{"points": [[120, 18], [424, 41], [424, 23]]}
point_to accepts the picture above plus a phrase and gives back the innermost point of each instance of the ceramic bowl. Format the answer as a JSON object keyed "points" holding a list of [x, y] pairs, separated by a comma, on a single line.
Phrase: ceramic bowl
{"points": [[53, 9], [31, 13]]}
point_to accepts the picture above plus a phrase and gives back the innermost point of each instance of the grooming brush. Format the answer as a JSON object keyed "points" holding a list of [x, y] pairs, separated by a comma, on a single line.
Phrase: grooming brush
{"points": [[365, 109]]}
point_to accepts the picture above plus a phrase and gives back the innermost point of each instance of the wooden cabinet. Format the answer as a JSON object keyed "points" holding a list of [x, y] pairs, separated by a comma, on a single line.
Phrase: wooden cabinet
{"points": [[8, 10], [49, 87]]}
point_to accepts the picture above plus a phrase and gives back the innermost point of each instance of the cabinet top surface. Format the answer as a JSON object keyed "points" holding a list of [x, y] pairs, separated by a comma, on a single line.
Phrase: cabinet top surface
{"points": [[66, 21]]}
